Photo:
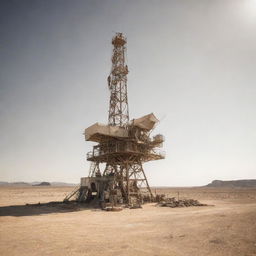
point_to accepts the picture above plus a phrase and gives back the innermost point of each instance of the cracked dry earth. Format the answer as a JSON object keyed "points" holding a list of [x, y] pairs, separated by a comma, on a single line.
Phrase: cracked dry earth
{"points": [[227, 228]]}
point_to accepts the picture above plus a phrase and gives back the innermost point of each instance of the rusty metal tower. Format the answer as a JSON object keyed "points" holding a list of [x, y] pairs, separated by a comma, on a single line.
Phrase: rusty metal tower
{"points": [[117, 83], [122, 145]]}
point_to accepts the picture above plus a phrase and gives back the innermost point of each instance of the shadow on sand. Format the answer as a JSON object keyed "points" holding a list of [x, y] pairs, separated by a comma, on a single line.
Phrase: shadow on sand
{"points": [[44, 208]]}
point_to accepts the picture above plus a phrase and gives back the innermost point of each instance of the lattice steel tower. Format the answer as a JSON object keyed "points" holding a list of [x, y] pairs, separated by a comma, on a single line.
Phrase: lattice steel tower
{"points": [[117, 83], [122, 145]]}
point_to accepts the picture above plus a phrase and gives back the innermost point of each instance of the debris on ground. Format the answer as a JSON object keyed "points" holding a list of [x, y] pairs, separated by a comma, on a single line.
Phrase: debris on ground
{"points": [[173, 202], [113, 209]]}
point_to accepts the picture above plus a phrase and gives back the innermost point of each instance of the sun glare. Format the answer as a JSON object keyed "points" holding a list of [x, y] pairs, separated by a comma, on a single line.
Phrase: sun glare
{"points": [[250, 10]]}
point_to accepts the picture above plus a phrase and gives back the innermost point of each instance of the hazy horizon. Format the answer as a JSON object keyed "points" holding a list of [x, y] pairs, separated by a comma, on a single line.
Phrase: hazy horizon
{"points": [[192, 63]]}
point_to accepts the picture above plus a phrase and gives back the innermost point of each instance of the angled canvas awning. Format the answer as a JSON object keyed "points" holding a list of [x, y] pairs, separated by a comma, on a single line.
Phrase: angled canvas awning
{"points": [[97, 131], [146, 122]]}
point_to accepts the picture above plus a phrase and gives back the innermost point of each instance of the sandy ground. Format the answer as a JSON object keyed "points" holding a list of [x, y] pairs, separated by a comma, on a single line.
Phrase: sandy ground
{"points": [[227, 228]]}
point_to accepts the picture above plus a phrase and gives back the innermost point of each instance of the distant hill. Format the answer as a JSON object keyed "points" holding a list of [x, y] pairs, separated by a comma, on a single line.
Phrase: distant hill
{"points": [[16, 184], [35, 183], [20, 184], [3, 183], [44, 183], [232, 183]]}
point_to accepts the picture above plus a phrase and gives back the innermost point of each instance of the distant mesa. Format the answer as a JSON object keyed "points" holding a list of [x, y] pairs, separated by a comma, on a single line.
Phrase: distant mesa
{"points": [[36, 183], [44, 183], [20, 184], [3, 183], [232, 183], [16, 184]]}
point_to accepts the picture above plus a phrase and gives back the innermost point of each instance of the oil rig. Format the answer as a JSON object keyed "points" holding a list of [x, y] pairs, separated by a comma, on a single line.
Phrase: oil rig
{"points": [[122, 146]]}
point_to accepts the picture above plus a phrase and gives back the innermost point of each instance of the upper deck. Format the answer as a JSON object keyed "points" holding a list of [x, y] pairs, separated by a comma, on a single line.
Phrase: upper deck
{"points": [[124, 150]]}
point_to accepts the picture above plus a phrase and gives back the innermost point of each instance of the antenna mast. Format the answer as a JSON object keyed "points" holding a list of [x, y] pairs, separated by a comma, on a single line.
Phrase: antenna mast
{"points": [[117, 84]]}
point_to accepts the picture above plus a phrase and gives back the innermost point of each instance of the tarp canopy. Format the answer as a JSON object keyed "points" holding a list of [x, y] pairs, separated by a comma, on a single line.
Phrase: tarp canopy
{"points": [[97, 131], [146, 122]]}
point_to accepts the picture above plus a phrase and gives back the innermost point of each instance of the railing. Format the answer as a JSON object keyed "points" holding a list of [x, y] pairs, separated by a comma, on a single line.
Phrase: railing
{"points": [[97, 152], [158, 152]]}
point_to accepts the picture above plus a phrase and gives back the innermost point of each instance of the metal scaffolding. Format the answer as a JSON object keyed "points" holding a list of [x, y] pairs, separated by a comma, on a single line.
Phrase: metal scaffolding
{"points": [[117, 83], [122, 145]]}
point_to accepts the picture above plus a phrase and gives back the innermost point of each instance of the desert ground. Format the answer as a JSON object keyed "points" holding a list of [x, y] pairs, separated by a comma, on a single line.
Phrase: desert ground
{"points": [[227, 226]]}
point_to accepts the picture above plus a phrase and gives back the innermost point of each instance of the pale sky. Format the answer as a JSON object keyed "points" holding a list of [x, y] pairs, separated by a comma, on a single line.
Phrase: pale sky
{"points": [[192, 63]]}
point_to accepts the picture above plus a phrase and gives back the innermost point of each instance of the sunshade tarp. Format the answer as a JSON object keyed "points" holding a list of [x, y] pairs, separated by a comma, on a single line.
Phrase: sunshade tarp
{"points": [[92, 132], [146, 122]]}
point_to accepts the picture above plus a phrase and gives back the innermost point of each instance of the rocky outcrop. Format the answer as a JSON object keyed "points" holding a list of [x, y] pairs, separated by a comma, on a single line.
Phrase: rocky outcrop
{"points": [[232, 183]]}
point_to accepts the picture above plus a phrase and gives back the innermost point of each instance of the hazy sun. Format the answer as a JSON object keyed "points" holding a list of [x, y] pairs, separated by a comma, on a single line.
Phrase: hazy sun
{"points": [[250, 9]]}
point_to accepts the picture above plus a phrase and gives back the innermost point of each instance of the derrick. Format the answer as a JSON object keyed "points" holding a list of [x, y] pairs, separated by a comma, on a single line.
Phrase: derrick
{"points": [[122, 146]]}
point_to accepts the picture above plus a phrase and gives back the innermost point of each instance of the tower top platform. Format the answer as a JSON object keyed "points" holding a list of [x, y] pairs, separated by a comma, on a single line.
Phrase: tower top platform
{"points": [[119, 40]]}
